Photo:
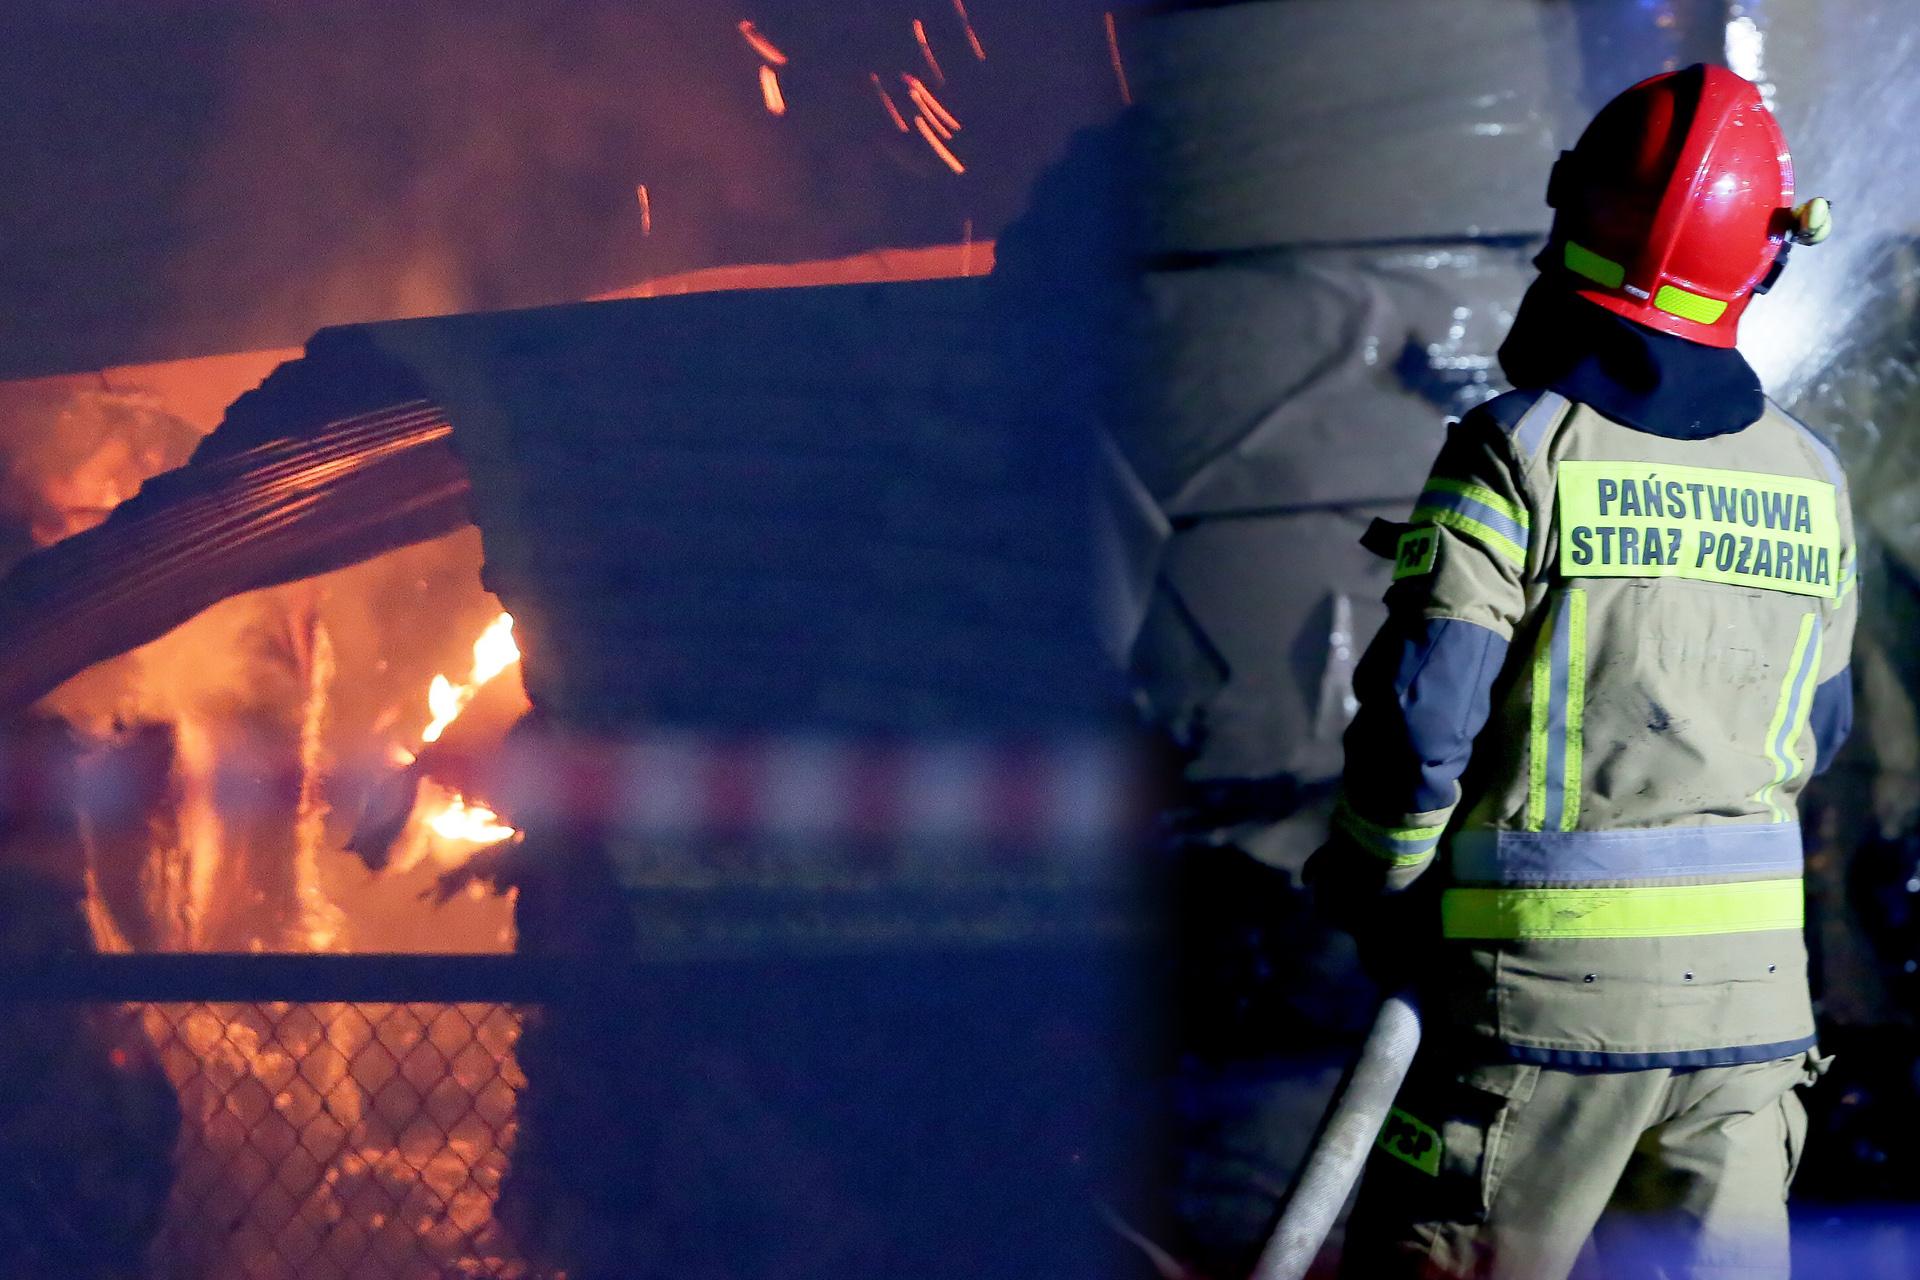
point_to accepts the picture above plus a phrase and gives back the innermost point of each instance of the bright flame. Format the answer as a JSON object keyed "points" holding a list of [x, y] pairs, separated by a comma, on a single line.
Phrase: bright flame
{"points": [[472, 823], [646, 209], [495, 650], [493, 653]]}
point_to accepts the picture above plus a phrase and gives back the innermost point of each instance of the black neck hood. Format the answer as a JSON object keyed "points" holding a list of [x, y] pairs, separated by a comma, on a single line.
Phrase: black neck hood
{"points": [[1653, 382]]}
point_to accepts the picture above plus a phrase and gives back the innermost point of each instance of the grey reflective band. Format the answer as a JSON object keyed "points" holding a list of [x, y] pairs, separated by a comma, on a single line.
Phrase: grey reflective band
{"points": [[1533, 424], [1554, 766], [1587, 857], [1828, 461]]}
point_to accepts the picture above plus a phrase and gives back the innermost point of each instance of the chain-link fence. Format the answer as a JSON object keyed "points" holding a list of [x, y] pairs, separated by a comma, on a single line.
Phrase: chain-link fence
{"points": [[259, 1130]]}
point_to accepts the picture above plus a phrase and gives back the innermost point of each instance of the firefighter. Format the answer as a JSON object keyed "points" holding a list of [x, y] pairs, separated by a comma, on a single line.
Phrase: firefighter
{"points": [[1616, 649]]}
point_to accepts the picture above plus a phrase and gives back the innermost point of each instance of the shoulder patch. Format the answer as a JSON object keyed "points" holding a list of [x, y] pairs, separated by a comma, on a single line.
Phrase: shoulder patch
{"points": [[1416, 553]]}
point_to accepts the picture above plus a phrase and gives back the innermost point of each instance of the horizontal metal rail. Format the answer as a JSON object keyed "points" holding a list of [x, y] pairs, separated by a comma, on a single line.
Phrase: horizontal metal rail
{"points": [[409, 978]]}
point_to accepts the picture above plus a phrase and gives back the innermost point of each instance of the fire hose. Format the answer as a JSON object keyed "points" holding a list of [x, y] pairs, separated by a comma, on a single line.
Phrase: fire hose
{"points": [[1340, 1148]]}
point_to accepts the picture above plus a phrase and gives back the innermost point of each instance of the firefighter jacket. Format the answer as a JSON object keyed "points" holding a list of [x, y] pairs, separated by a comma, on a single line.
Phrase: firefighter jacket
{"points": [[1612, 660]]}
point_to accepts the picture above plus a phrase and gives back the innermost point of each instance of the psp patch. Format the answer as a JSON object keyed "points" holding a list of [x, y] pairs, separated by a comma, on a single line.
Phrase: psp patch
{"points": [[1406, 1137], [1747, 528], [1416, 552]]}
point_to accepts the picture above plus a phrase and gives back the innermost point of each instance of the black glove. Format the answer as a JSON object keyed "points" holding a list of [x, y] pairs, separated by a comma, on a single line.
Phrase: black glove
{"points": [[1397, 933]]}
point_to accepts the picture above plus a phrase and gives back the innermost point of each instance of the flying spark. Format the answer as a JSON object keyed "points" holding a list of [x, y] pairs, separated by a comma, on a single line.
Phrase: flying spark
{"points": [[926, 50], [886, 100], [930, 105], [761, 45], [939, 147], [1119, 68], [646, 210], [973, 41], [770, 90]]}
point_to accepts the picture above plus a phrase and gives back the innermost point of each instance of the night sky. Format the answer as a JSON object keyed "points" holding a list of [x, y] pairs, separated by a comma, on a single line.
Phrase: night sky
{"points": [[187, 178]]}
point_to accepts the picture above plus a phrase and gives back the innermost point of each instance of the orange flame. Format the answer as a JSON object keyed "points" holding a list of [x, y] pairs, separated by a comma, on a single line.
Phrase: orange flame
{"points": [[770, 90], [469, 823], [886, 100], [973, 41], [761, 45], [646, 210], [493, 653]]}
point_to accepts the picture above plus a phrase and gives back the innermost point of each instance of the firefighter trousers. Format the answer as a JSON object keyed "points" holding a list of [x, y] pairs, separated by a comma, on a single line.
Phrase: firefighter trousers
{"points": [[1511, 1171]]}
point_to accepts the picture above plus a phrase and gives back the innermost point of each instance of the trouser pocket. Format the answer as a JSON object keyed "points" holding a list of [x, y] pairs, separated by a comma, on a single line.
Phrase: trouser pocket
{"points": [[1440, 1146], [1794, 1113]]}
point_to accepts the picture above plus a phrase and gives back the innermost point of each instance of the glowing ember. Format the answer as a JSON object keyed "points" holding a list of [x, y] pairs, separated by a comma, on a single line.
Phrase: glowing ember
{"points": [[1119, 68], [471, 823], [973, 41], [886, 100], [939, 147], [646, 210], [770, 90], [931, 106], [493, 653], [761, 45], [926, 50]]}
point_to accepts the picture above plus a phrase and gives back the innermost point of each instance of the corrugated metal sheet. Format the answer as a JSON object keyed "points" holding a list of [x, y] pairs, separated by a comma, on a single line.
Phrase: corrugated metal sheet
{"points": [[825, 508]]}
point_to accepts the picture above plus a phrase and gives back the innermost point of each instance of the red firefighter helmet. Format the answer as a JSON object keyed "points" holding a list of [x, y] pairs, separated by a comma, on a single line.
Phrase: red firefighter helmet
{"points": [[1676, 205]]}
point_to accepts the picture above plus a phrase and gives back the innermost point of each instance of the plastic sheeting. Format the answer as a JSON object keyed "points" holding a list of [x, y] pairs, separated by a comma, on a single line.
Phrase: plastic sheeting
{"points": [[1298, 395], [1318, 121]]}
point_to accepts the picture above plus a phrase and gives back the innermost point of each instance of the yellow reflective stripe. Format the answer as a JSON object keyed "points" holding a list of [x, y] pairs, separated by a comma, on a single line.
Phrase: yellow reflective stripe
{"points": [[1688, 306], [1401, 846], [1539, 741], [1658, 911], [1483, 495], [1789, 714], [1492, 539], [1847, 575], [1576, 695], [1585, 262]]}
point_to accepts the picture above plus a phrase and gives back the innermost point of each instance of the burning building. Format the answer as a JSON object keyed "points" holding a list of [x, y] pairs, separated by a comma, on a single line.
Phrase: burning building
{"points": [[736, 631]]}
